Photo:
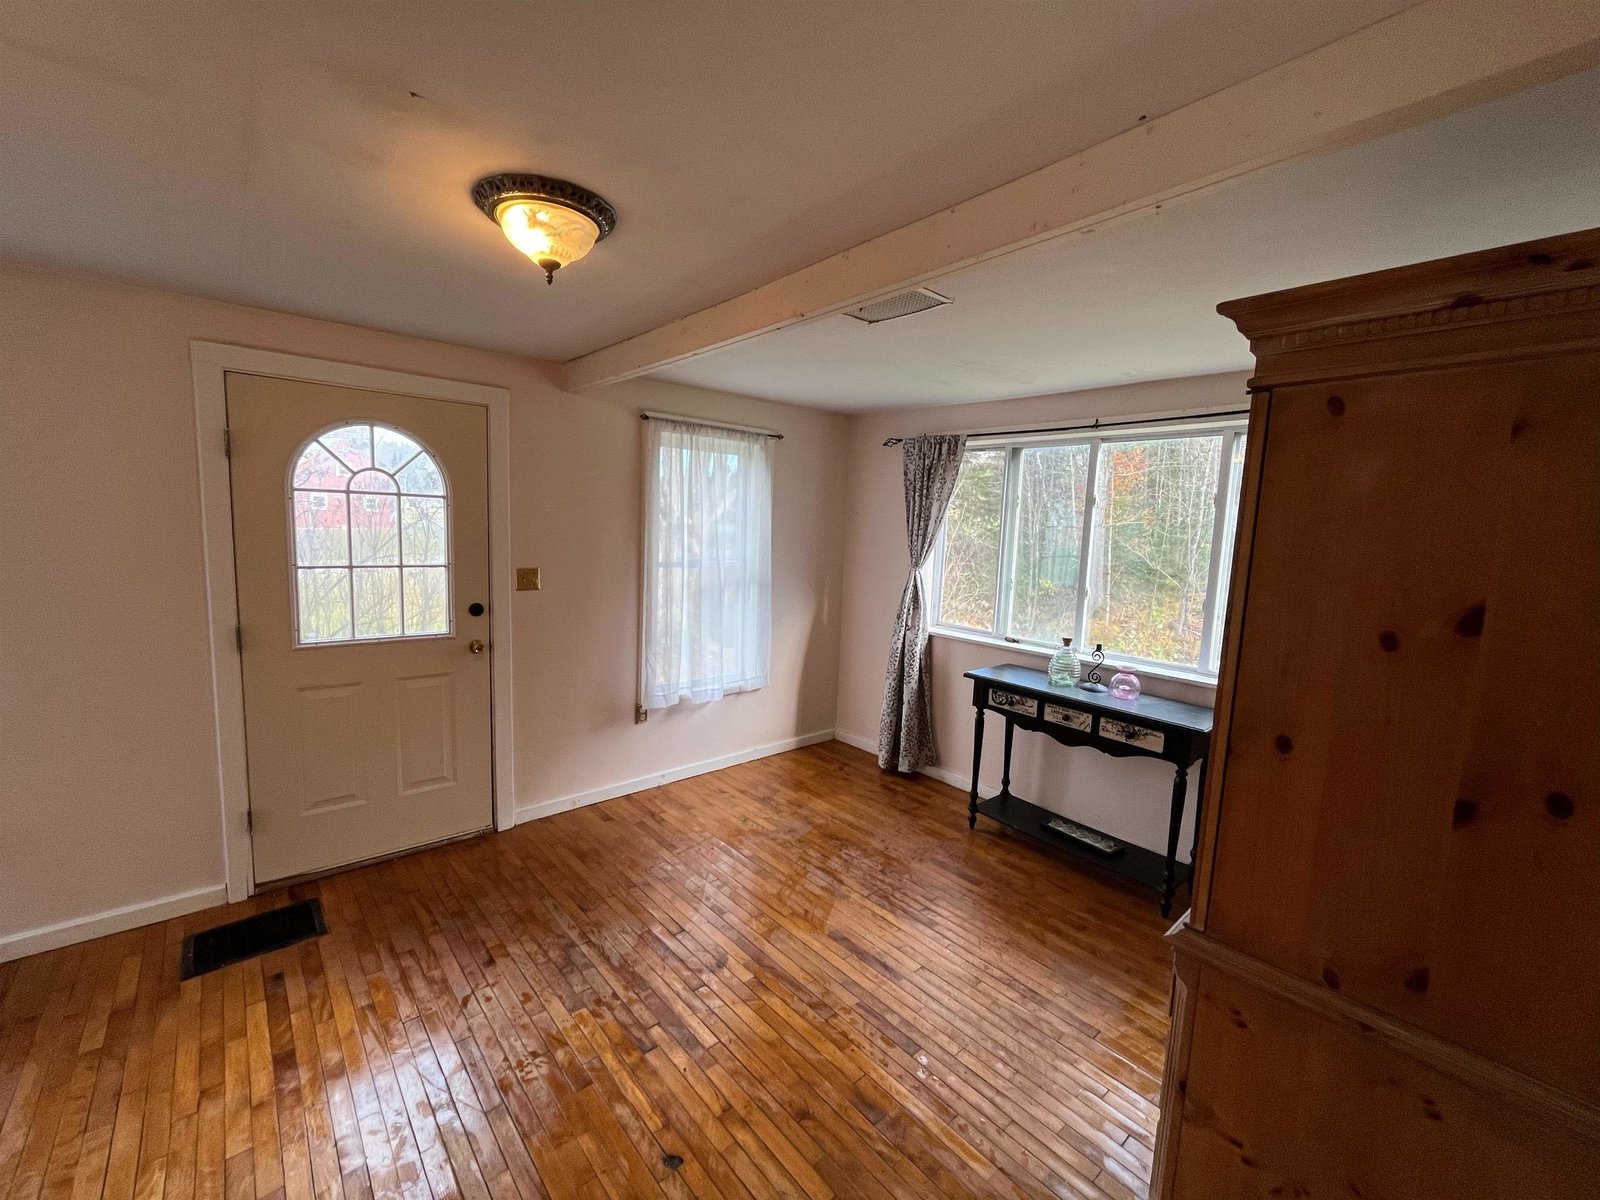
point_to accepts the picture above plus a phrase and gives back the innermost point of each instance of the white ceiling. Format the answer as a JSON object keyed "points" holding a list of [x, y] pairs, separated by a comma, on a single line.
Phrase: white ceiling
{"points": [[1136, 299], [316, 157]]}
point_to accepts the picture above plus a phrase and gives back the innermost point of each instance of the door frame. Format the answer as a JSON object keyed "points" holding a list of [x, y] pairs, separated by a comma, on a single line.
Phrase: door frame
{"points": [[210, 362]]}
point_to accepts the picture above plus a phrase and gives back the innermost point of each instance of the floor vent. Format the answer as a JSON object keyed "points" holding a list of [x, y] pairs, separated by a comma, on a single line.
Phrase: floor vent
{"points": [[213, 949], [902, 304]]}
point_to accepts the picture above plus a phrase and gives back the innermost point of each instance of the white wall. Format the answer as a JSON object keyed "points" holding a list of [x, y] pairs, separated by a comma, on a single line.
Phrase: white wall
{"points": [[107, 742], [110, 814], [1128, 798]]}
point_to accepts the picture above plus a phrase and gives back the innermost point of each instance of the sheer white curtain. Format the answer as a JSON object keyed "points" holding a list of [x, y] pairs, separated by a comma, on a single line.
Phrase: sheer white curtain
{"points": [[708, 562]]}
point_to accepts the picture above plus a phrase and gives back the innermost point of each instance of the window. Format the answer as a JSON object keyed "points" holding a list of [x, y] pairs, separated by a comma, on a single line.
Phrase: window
{"points": [[1118, 539], [707, 627], [371, 538]]}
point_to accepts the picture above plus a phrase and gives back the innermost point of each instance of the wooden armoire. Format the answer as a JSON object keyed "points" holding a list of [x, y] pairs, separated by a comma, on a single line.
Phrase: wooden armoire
{"points": [[1388, 986]]}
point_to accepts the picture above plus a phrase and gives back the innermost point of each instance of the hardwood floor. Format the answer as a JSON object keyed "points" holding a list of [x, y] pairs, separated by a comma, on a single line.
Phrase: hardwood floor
{"points": [[799, 976]]}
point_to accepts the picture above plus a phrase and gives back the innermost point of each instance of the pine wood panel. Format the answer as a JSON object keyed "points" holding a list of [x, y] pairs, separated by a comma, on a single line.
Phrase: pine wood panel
{"points": [[1399, 741], [1389, 989], [802, 977], [1351, 1119]]}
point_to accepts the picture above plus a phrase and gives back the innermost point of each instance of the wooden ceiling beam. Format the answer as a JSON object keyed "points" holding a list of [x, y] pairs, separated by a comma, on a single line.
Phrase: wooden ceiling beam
{"points": [[1426, 62]]}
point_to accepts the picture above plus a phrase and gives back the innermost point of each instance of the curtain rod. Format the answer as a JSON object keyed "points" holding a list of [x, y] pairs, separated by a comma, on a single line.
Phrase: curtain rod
{"points": [[661, 416], [1233, 412]]}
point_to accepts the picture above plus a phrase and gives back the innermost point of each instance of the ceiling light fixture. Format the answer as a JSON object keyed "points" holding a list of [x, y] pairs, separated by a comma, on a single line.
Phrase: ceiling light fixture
{"points": [[553, 222]]}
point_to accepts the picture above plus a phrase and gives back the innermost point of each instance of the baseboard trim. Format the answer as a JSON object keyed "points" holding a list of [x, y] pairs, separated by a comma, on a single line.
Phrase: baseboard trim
{"points": [[942, 774], [561, 804], [962, 783], [870, 745], [114, 920], [164, 908]]}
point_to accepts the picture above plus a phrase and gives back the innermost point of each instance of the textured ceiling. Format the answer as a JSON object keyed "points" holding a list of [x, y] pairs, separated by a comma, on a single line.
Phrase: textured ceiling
{"points": [[316, 157], [1137, 299]]}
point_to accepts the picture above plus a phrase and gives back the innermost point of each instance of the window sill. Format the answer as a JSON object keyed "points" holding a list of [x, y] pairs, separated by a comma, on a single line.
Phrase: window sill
{"points": [[1143, 670]]}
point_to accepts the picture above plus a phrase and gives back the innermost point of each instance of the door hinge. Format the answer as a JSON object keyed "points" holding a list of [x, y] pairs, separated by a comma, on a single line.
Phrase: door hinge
{"points": [[227, 442], [238, 638], [249, 820]]}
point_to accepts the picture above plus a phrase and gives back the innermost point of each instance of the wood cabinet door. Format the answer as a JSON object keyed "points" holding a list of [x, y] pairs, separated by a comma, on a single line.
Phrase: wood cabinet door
{"points": [[1409, 811]]}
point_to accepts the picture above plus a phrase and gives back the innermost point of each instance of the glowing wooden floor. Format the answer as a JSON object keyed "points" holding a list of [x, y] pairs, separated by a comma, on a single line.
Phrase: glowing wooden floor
{"points": [[801, 977]]}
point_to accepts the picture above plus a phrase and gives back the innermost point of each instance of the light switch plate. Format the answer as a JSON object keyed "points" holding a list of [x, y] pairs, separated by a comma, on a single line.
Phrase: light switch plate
{"points": [[527, 579]]}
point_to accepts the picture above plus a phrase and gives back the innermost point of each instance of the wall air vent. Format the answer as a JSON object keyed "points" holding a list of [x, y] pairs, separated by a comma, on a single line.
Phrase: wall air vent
{"points": [[901, 304]]}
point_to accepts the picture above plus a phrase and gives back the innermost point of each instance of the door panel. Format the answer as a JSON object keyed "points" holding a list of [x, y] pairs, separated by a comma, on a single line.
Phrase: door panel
{"points": [[330, 723], [427, 744], [361, 742], [1394, 743]]}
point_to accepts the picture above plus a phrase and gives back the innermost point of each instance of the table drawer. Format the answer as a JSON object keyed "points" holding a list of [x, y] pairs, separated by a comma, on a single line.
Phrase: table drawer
{"points": [[1130, 734], [1057, 714], [1023, 706]]}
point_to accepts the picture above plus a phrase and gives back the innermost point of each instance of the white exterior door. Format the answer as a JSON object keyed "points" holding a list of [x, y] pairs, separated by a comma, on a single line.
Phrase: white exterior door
{"points": [[361, 545]]}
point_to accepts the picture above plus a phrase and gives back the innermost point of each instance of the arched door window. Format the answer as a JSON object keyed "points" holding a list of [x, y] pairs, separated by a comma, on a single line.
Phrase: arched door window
{"points": [[371, 544]]}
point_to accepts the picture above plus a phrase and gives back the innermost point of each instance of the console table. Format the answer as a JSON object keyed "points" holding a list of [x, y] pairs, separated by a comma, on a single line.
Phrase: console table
{"points": [[1145, 727]]}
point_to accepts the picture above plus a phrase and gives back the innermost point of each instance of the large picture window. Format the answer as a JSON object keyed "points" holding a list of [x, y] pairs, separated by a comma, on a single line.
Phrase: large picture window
{"points": [[708, 562], [1122, 540], [371, 544]]}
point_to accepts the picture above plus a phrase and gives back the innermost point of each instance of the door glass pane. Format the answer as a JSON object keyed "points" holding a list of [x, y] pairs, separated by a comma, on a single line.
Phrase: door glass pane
{"points": [[427, 592], [317, 468], [1153, 528], [377, 602], [319, 529], [1052, 483], [392, 449], [421, 477], [374, 530], [352, 445], [372, 481], [422, 524], [972, 542], [355, 505], [324, 604]]}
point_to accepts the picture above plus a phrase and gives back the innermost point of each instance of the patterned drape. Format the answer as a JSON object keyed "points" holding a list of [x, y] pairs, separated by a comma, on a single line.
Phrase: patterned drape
{"points": [[905, 729]]}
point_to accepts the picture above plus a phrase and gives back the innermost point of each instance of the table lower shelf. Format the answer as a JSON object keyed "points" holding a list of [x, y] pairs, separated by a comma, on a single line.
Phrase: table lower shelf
{"points": [[1134, 863]]}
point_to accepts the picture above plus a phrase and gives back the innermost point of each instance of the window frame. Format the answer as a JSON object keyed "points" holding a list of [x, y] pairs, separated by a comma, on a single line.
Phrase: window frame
{"points": [[296, 642], [1225, 505]]}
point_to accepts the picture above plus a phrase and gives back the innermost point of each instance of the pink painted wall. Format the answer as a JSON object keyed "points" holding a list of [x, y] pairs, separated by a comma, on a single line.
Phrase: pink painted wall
{"points": [[107, 742], [1126, 797]]}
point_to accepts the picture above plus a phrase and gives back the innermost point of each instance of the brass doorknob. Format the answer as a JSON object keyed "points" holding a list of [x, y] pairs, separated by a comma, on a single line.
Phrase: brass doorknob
{"points": [[476, 646]]}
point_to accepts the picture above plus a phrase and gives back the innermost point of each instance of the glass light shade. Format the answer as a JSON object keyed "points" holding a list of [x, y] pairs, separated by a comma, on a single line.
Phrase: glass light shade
{"points": [[553, 235]]}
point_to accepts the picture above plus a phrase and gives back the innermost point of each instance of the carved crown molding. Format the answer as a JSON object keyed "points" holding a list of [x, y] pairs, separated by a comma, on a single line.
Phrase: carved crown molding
{"points": [[1464, 311], [1440, 310]]}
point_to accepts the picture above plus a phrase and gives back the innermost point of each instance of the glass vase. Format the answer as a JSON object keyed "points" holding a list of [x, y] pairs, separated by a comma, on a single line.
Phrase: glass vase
{"points": [[1063, 671]]}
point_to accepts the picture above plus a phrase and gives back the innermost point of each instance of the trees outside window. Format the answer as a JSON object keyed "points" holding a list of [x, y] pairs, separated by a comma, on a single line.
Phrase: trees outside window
{"points": [[1031, 552]]}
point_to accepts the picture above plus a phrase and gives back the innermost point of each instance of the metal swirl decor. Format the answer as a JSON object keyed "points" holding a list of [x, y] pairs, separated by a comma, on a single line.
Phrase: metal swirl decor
{"points": [[1092, 682]]}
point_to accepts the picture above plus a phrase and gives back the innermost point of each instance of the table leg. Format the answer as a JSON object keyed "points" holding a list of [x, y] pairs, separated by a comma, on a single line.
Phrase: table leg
{"points": [[1005, 771], [977, 757], [1180, 788]]}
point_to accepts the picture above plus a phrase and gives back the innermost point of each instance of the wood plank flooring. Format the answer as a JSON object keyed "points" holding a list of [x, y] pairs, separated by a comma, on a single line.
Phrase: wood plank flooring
{"points": [[792, 978]]}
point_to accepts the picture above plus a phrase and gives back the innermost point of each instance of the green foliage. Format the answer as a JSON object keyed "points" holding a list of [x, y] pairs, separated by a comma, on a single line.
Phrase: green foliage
{"points": [[1150, 550], [972, 542], [1156, 514]]}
